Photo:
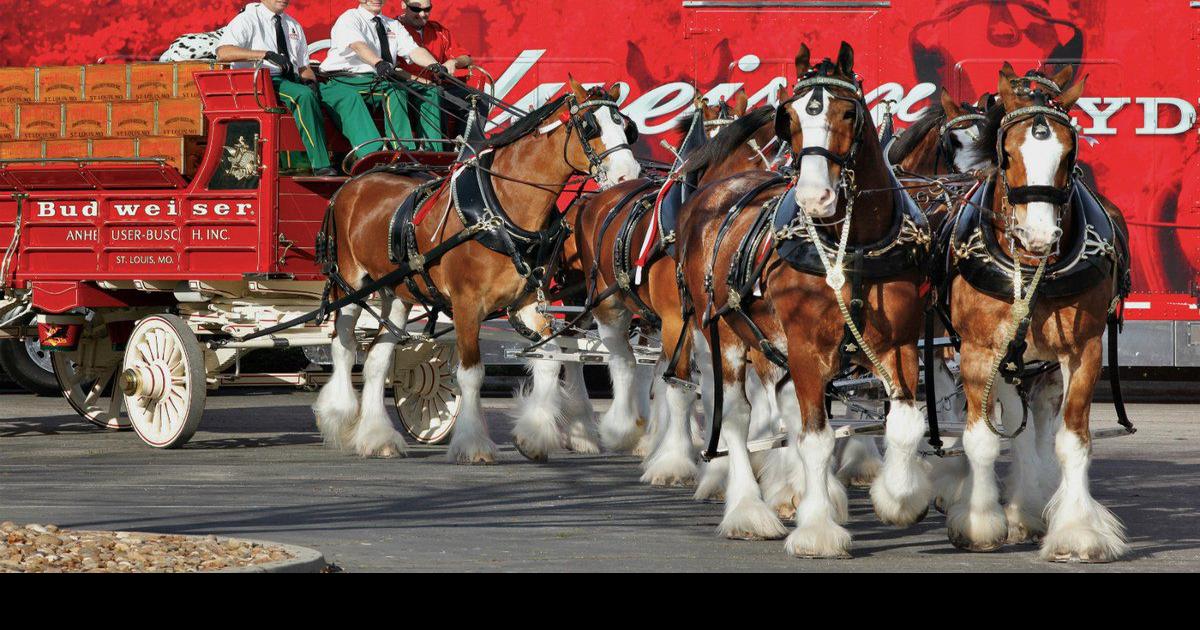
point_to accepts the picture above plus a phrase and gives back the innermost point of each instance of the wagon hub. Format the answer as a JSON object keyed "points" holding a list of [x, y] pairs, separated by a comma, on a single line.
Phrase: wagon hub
{"points": [[147, 380]]}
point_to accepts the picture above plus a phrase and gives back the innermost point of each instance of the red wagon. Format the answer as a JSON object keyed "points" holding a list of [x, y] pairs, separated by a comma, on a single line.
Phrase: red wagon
{"points": [[133, 269]]}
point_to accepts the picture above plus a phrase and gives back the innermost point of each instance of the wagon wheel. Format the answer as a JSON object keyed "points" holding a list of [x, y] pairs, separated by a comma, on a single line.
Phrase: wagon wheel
{"points": [[163, 381], [426, 395], [85, 376]]}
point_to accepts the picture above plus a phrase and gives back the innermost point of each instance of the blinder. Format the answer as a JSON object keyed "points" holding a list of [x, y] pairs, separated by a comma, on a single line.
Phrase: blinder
{"points": [[582, 119], [816, 84]]}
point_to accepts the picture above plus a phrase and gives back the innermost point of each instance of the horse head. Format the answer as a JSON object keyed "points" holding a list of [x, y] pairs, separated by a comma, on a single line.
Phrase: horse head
{"points": [[601, 136], [1036, 145], [823, 120]]}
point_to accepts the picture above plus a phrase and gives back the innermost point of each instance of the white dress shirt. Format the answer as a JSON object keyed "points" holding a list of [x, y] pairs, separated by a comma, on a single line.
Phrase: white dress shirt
{"points": [[358, 25], [254, 29]]}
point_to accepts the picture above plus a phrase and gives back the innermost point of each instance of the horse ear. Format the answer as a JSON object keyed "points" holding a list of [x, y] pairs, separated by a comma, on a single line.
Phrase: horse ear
{"points": [[614, 91], [739, 103], [577, 89], [1004, 88], [802, 64], [1063, 76], [949, 105], [1069, 97], [845, 60], [699, 103], [781, 94], [986, 102]]}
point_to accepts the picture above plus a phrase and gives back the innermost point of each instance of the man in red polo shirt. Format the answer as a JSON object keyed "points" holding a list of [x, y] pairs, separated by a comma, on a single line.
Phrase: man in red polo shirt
{"points": [[425, 112]]}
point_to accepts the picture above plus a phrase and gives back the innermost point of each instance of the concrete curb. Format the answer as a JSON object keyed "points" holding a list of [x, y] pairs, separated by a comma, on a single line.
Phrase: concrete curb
{"points": [[304, 559]]}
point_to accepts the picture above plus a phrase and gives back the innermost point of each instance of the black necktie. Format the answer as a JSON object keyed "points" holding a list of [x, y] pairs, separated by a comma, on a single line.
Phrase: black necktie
{"points": [[385, 51], [280, 38]]}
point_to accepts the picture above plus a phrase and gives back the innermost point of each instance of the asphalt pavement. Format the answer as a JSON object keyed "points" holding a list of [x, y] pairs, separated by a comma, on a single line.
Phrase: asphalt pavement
{"points": [[257, 469]]}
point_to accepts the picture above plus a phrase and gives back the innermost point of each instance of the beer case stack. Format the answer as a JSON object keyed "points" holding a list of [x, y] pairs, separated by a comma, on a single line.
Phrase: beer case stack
{"points": [[104, 110]]}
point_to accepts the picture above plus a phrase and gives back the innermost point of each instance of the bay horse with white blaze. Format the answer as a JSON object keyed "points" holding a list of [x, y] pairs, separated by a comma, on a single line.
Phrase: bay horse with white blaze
{"points": [[500, 207], [1037, 264], [762, 279]]}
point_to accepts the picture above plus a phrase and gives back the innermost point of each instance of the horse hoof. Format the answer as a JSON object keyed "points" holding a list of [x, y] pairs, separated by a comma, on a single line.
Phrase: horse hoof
{"points": [[975, 546], [939, 506], [540, 458], [786, 511]]}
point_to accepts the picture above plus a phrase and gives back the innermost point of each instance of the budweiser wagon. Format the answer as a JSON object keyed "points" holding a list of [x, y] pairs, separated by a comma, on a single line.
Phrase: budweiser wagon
{"points": [[151, 232]]}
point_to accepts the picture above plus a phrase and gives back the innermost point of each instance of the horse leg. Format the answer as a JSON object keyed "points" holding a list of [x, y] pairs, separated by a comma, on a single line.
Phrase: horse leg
{"points": [[540, 421], [1022, 510], [673, 462], [581, 434], [657, 411], [860, 462], [817, 533], [1045, 408], [337, 404], [647, 378], [974, 519], [620, 426], [715, 473], [470, 443], [777, 468], [1080, 528], [901, 493], [747, 516], [375, 436]]}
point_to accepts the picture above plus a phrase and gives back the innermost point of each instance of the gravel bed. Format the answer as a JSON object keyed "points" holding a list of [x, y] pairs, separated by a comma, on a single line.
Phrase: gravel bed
{"points": [[47, 549]]}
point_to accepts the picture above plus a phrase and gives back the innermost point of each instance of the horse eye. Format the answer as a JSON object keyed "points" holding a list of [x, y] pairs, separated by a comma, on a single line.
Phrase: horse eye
{"points": [[848, 115]]}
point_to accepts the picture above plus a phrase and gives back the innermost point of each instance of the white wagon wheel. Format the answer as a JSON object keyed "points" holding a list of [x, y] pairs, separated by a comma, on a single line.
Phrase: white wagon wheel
{"points": [[86, 374], [426, 392], [163, 381]]}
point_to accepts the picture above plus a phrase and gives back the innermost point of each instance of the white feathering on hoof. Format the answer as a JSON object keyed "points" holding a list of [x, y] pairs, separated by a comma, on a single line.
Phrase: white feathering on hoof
{"points": [[1080, 529]]}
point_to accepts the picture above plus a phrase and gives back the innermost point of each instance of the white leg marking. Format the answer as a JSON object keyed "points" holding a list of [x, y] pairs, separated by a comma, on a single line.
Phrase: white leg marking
{"points": [[337, 404], [581, 433], [673, 462], [375, 435], [860, 462], [975, 521], [620, 426], [470, 443], [1080, 528], [746, 514], [817, 534], [1025, 504], [539, 425], [901, 493]]}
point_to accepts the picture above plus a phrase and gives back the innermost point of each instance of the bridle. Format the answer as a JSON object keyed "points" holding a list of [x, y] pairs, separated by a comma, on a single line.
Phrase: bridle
{"points": [[945, 148], [581, 120], [1042, 112], [815, 83]]}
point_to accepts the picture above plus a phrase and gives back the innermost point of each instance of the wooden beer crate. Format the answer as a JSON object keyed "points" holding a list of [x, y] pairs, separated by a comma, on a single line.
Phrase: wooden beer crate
{"points": [[66, 148], [18, 84], [183, 153], [131, 118], [8, 121], [106, 82], [20, 149], [185, 83], [85, 119], [149, 81], [178, 117], [39, 120], [114, 147], [60, 83]]}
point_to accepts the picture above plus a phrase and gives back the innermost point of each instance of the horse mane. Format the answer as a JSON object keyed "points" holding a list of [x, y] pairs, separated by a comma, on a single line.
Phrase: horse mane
{"points": [[524, 126], [908, 141], [684, 123], [729, 139], [991, 129]]}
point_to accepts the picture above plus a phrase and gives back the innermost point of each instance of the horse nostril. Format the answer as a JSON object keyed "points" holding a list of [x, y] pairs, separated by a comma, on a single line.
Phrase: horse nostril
{"points": [[826, 197], [1057, 233]]}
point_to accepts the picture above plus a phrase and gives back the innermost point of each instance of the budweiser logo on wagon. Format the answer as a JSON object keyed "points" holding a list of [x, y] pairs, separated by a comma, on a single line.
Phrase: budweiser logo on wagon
{"points": [[152, 209]]}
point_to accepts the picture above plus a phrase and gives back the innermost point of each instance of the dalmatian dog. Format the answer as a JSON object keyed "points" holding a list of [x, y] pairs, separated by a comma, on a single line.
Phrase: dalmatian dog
{"points": [[193, 46]]}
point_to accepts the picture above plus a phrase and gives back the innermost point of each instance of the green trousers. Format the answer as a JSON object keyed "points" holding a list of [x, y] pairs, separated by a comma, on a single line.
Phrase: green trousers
{"points": [[348, 98], [426, 115], [307, 111]]}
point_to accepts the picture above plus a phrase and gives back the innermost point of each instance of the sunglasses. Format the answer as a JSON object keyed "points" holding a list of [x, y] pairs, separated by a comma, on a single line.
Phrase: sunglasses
{"points": [[417, 9]]}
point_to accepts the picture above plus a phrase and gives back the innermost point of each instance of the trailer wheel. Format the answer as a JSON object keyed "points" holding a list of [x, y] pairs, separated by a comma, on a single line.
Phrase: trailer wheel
{"points": [[163, 381], [86, 378], [29, 366], [426, 392]]}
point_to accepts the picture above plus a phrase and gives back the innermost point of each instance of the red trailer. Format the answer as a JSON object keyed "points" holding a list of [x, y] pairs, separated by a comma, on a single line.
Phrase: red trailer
{"points": [[132, 269]]}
